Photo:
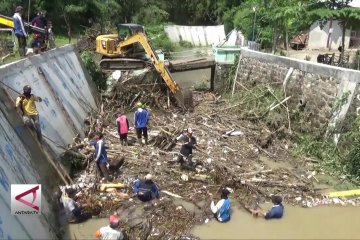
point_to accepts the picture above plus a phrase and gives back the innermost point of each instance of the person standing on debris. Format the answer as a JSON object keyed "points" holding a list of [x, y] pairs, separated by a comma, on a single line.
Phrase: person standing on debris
{"points": [[101, 155], [141, 121], [221, 210], [75, 212], [123, 128], [186, 150], [277, 211], [26, 105], [19, 30], [110, 232], [146, 189]]}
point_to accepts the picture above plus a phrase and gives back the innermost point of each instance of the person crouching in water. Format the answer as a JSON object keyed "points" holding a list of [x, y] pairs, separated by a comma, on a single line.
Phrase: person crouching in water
{"points": [[222, 209], [146, 189], [75, 212], [277, 211], [123, 128]]}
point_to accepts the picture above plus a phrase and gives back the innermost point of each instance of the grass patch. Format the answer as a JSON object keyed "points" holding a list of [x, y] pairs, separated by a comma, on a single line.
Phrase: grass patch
{"points": [[63, 40], [336, 183], [342, 168]]}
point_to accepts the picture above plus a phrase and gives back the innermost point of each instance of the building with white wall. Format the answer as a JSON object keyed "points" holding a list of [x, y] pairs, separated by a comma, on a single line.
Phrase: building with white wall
{"points": [[329, 36]]}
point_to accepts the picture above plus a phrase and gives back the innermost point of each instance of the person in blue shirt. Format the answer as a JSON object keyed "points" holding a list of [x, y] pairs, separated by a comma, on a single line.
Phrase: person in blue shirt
{"points": [[101, 155], [19, 29], [141, 121], [146, 189], [222, 209], [277, 211]]}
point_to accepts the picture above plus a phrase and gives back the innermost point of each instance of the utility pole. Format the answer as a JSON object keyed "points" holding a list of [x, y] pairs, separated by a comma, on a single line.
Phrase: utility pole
{"points": [[328, 44], [29, 11], [253, 38]]}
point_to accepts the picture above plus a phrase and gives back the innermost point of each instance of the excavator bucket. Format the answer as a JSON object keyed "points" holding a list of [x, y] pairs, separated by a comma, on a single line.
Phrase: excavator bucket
{"points": [[184, 98]]}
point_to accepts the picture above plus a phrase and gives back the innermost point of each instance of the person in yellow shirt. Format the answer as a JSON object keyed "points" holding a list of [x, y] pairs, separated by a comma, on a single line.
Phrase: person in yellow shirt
{"points": [[26, 104]]}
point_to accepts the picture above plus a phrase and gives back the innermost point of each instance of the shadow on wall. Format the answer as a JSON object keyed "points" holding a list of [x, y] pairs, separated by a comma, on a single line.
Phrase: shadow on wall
{"points": [[22, 160]]}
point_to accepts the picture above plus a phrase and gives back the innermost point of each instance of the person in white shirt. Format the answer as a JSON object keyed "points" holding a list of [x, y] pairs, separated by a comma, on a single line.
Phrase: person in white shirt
{"points": [[75, 213], [19, 29], [111, 231], [222, 209]]}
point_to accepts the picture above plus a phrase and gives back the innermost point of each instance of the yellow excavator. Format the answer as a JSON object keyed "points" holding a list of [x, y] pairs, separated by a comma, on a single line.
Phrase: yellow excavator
{"points": [[125, 51]]}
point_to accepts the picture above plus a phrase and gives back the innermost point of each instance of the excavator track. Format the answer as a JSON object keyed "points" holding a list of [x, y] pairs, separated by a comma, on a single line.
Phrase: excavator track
{"points": [[122, 64]]}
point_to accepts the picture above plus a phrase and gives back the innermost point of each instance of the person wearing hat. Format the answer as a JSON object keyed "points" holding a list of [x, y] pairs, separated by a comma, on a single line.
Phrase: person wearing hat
{"points": [[111, 231], [221, 210], [146, 189], [19, 29], [186, 150], [123, 128], [26, 105], [141, 121], [277, 210]]}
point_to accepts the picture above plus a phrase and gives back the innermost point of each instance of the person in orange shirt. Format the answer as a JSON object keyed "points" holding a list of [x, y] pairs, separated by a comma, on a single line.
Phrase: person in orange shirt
{"points": [[110, 232], [26, 104]]}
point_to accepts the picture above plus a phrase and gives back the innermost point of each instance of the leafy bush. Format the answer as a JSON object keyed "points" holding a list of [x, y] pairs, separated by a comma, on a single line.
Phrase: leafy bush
{"points": [[185, 44], [159, 39], [94, 70]]}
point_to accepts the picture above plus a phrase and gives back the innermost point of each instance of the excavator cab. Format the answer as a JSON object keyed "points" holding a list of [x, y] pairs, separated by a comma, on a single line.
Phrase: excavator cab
{"points": [[129, 29]]}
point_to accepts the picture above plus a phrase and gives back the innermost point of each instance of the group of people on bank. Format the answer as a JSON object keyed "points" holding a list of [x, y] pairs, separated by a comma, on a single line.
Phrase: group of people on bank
{"points": [[38, 42], [145, 189]]}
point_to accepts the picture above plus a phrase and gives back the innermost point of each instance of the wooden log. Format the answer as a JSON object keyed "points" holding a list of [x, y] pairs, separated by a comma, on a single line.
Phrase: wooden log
{"points": [[255, 172], [171, 194]]}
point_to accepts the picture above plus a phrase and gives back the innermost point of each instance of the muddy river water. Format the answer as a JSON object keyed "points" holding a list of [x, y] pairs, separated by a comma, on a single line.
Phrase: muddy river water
{"points": [[327, 222], [297, 223]]}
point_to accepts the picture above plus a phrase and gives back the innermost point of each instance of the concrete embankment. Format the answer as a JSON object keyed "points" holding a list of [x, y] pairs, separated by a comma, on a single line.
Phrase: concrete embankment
{"points": [[68, 95]]}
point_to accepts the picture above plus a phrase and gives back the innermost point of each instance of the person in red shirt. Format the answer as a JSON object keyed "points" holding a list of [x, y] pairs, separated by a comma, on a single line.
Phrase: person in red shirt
{"points": [[123, 128]]}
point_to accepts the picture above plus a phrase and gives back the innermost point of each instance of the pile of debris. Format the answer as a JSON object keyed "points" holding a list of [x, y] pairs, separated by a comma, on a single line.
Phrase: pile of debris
{"points": [[87, 42], [228, 155], [314, 202]]}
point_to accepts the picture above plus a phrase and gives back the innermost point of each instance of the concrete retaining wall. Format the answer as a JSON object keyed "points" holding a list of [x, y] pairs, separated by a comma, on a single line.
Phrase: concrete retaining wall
{"points": [[68, 95], [196, 35], [320, 86], [58, 77]]}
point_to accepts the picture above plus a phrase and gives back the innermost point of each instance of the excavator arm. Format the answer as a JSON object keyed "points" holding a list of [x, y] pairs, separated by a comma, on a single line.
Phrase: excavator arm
{"points": [[159, 65], [183, 97]]}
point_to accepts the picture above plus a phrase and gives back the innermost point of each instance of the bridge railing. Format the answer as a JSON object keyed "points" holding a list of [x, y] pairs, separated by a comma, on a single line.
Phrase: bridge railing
{"points": [[191, 53], [253, 45]]}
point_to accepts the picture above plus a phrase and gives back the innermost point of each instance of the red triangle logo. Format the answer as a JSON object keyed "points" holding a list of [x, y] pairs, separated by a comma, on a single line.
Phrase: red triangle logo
{"points": [[33, 191]]}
